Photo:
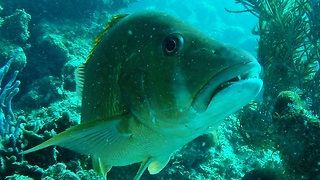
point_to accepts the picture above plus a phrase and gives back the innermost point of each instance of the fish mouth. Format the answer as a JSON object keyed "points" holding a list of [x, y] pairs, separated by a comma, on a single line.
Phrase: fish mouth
{"points": [[233, 74]]}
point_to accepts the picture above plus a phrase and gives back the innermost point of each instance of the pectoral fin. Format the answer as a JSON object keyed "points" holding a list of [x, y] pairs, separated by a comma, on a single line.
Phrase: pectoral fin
{"points": [[93, 137]]}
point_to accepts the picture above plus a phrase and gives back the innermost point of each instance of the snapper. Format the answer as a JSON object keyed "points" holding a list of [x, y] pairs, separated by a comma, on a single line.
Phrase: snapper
{"points": [[151, 84]]}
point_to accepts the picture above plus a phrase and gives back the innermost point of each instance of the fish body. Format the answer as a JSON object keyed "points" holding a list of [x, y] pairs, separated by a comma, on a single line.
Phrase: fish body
{"points": [[151, 84]]}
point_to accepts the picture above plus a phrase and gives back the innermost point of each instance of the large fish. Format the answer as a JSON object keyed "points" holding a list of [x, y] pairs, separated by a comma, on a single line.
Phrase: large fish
{"points": [[150, 85]]}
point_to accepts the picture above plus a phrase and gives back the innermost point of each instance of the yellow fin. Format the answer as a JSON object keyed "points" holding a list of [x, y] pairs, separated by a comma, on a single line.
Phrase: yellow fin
{"points": [[142, 168], [158, 163], [79, 76], [99, 166], [80, 71], [90, 137], [113, 21], [213, 137], [154, 165], [104, 169]]}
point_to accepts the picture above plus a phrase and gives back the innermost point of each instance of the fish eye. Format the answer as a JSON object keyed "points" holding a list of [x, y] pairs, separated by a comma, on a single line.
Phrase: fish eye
{"points": [[172, 44]]}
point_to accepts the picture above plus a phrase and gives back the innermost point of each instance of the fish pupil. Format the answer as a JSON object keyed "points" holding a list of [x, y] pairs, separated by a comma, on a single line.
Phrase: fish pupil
{"points": [[172, 44]]}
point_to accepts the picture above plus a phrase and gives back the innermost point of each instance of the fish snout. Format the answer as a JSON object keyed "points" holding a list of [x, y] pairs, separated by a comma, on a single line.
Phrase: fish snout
{"points": [[236, 55]]}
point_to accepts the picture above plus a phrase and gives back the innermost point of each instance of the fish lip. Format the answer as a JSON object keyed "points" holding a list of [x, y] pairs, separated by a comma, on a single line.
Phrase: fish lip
{"points": [[222, 80]]}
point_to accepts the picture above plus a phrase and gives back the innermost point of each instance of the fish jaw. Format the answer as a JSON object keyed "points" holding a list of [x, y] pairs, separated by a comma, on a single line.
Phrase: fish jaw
{"points": [[227, 92], [238, 73]]}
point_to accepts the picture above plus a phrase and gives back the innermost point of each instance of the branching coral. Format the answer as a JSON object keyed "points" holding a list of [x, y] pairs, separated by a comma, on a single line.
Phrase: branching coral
{"points": [[255, 127], [8, 122], [10, 139], [287, 52]]}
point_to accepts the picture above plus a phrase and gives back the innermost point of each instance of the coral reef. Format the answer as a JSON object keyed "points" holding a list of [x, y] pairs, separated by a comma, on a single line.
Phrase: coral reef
{"points": [[262, 174], [286, 52], [44, 92], [8, 122], [297, 136], [16, 27], [48, 48], [59, 9], [287, 120], [9, 125], [13, 36], [51, 163], [255, 126]]}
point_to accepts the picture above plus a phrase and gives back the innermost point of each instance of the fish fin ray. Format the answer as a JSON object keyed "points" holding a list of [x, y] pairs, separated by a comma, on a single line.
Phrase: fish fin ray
{"points": [[96, 164], [142, 168], [158, 163], [79, 77], [79, 72], [93, 137], [212, 137], [104, 169], [99, 166], [97, 40]]}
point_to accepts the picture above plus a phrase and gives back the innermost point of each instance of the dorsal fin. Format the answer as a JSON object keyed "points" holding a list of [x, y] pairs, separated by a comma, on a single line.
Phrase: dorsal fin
{"points": [[79, 72], [79, 77], [113, 21]]}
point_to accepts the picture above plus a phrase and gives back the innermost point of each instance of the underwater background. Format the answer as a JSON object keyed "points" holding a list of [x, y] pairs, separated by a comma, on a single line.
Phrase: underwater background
{"points": [[274, 137]]}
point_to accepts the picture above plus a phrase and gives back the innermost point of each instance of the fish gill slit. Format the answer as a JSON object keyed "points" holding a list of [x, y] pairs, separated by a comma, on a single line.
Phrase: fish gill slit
{"points": [[147, 101], [114, 96]]}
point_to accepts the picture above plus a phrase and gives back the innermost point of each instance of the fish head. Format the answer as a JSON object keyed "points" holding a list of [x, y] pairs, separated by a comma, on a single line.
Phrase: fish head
{"points": [[175, 73]]}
